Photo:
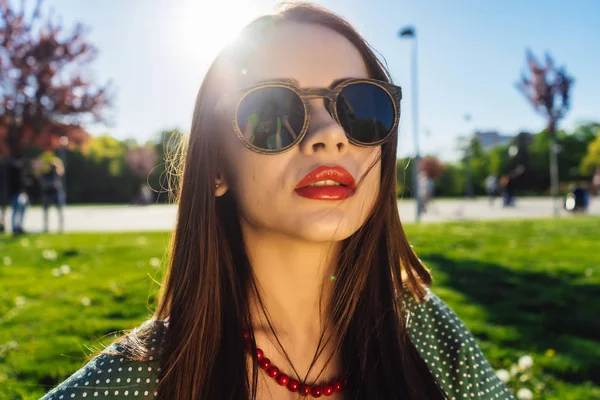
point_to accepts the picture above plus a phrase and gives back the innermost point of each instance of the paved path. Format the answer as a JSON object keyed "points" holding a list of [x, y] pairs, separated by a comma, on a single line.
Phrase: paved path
{"points": [[162, 217]]}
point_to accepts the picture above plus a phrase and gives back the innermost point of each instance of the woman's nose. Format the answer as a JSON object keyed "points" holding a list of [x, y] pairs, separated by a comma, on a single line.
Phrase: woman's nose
{"points": [[324, 133]]}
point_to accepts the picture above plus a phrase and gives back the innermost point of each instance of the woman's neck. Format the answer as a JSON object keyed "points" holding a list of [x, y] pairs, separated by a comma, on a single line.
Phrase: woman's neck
{"points": [[294, 279]]}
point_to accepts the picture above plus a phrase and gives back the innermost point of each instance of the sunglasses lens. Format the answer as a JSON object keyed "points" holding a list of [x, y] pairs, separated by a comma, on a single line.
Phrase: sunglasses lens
{"points": [[366, 112], [271, 118]]}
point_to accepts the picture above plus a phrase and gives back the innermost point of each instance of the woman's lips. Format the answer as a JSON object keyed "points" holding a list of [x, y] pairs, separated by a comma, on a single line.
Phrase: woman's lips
{"points": [[341, 185]]}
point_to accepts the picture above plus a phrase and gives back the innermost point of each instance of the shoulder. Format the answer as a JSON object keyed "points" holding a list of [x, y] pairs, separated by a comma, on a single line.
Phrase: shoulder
{"points": [[450, 350], [111, 374]]}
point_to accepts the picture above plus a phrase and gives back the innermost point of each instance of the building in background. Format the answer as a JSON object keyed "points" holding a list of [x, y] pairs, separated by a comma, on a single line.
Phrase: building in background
{"points": [[489, 140]]}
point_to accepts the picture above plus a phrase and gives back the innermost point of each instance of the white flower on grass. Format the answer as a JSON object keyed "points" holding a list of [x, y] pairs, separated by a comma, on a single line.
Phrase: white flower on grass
{"points": [[525, 362], [19, 301], [86, 301], [65, 269], [7, 260], [514, 370], [524, 394], [141, 240], [55, 272], [155, 262], [503, 375], [25, 242], [49, 255], [589, 272]]}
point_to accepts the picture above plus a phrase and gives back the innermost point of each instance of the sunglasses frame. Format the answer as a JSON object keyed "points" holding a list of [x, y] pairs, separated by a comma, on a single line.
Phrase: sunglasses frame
{"points": [[306, 94]]}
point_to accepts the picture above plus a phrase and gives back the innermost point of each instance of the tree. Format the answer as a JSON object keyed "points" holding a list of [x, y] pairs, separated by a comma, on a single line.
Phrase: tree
{"points": [[591, 161], [548, 91], [432, 167], [452, 182], [44, 93]]}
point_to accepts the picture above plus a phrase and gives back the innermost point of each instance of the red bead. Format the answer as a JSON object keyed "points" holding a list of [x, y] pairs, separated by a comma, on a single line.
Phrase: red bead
{"points": [[264, 364], [305, 390], [259, 354], [283, 379], [316, 391], [293, 385], [273, 372], [337, 386], [246, 335], [327, 390]]}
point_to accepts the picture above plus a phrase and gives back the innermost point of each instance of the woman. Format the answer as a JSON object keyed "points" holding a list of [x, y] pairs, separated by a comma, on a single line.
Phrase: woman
{"points": [[290, 274]]}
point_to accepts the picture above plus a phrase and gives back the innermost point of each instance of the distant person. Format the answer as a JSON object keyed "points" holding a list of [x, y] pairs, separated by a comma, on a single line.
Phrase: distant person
{"points": [[17, 194], [53, 191], [578, 198], [508, 184], [596, 181], [144, 196], [426, 188], [290, 275], [491, 187], [507, 190]]}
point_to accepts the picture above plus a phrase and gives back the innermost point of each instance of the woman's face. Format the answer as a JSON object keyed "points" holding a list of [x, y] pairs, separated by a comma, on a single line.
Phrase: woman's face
{"points": [[264, 186]]}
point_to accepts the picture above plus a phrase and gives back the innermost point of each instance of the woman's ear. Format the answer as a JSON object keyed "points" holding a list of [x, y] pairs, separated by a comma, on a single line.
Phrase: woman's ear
{"points": [[221, 186]]}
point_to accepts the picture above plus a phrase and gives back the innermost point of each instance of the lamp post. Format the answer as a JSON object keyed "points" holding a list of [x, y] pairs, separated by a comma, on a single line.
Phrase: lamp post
{"points": [[409, 32], [468, 153]]}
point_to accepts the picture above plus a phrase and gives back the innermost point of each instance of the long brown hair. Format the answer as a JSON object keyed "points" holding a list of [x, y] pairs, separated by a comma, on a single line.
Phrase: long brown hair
{"points": [[204, 297]]}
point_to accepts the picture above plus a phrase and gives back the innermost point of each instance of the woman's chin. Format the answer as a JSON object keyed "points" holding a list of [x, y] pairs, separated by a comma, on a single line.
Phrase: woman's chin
{"points": [[332, 226]]}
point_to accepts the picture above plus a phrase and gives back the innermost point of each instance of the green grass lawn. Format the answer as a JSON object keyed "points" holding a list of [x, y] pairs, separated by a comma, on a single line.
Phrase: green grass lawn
{"points": [[522, 287]]}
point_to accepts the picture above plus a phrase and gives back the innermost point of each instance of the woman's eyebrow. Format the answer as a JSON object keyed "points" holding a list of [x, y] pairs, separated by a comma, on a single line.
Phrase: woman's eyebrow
{"points": [[290, 81], [295, 82]]}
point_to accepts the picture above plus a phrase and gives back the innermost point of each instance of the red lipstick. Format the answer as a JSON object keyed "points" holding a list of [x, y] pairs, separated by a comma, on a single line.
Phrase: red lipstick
{"points": [[327, 183]]}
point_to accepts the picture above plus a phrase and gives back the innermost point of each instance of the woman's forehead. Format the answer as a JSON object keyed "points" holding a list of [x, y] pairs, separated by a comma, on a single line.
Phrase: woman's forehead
{"points": [[311, 55]]}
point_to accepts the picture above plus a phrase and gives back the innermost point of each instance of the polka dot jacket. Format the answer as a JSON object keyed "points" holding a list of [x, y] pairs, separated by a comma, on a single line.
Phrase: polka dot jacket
{"points": [[443, 341]]}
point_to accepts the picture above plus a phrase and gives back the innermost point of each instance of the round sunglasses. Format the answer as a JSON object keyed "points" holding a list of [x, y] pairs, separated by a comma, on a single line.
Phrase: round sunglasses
{"points": [[272, 117]]}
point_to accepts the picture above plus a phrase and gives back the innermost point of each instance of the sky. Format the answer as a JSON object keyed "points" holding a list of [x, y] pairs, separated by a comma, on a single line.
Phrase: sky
{"points": [[470, 55]]}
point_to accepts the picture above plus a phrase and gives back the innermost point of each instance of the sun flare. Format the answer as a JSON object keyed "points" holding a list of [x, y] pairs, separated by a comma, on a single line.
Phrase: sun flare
{"points": [[204, 27]]}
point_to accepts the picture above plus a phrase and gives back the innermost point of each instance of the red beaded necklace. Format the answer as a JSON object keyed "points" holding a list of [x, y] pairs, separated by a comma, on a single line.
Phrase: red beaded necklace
{"points": [[292, 384]]}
